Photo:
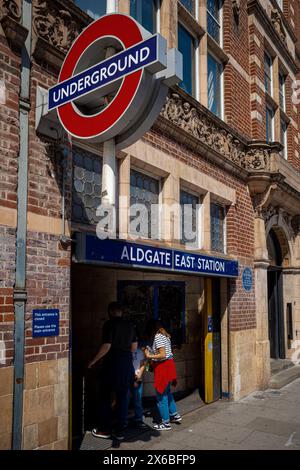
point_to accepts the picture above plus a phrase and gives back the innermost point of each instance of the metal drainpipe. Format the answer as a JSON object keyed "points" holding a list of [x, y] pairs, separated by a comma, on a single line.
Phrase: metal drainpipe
{"points": [[20, 294]]}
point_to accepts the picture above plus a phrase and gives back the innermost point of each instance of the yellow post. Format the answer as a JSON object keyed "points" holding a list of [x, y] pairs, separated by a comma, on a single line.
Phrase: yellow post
{"points": [[208, 343]]}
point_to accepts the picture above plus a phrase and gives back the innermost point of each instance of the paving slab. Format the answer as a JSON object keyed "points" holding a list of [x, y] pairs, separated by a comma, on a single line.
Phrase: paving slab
{"points": [[265, 420], [285, 377]]}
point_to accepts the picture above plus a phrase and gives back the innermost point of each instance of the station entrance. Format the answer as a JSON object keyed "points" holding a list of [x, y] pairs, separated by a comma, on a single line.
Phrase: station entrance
{"points": [[192, 309]]}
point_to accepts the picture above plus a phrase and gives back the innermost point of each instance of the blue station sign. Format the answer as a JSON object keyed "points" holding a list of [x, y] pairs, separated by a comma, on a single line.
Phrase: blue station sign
{"points": [[122, 253]]}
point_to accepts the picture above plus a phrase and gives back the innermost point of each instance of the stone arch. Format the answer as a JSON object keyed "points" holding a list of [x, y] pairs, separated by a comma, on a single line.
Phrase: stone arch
{"points": [[277, 226]]}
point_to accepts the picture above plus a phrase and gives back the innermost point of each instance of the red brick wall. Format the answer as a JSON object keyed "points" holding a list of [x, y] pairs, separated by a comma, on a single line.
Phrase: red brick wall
{"points": [[9, 124], [257, 80], [9, 146], [290, 12], [237, 88], [48, 286], [7, 274]]}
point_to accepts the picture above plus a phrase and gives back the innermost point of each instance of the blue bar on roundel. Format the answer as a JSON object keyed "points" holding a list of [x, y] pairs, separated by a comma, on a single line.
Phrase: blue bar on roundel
{"points": [[104, 73]]}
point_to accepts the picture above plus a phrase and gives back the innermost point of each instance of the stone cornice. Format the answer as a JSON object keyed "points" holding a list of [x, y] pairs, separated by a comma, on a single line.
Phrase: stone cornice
{"points": [[254, 7], [285, 21], [10, 18], [195, 126], [56, 24]]}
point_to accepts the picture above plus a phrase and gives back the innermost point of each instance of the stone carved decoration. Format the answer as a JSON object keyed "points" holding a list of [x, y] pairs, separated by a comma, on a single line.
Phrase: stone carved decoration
{"points": [[200, 126], [268, 212], [57, 27], [11, 8], [278, 24], [236, 9], [260, 203], [10, 18], [295, 224]]}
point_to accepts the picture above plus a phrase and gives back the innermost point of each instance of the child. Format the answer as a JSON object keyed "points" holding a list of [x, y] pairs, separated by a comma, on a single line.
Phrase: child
{"points": [[139, 365]]}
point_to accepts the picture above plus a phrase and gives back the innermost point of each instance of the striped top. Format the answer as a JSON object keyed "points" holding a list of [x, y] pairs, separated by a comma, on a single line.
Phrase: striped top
{"points": [[162, 341]]}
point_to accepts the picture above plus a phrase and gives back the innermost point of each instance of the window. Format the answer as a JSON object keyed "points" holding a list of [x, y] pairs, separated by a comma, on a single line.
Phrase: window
{"points": [[269, 124], [144, 190], [283, 138], [186, 47], [146, 300], [214, 84], [282, 91], [86, 191], [189, 217], [93, 8], [213, 19], [217, 232], [268, 74], [189, 5], [144, 11]]}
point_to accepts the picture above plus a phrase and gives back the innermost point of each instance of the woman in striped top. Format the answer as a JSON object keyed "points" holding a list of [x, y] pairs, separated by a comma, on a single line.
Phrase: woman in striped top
{"points": [[164, 374]]}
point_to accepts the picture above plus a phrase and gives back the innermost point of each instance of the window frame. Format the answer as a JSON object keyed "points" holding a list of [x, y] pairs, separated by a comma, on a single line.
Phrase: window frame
{"points": [[160, 195], [156, 15], [219, 22], [284, 152], [193, 12], [267, 55], [219, 61], [194, 52], [199, 215], [224, 241], [269, 108], [282, 91]]}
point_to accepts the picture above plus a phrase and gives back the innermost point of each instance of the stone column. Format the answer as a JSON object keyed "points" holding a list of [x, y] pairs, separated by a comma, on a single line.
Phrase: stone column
{"points": [[275, 78], [170, 220], [203, 54], [124, 196], [124, 7], [261, 264], [168, 22]]}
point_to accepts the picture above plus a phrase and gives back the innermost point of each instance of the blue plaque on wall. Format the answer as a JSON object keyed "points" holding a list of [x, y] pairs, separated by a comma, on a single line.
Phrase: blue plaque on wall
{"points": [[247, 279]]}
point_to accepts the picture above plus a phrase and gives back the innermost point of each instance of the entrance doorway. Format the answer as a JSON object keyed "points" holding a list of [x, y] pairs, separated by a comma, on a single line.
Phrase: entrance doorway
{"points": [[276, 317], [275, 297], [177, 300], [164, 300]]}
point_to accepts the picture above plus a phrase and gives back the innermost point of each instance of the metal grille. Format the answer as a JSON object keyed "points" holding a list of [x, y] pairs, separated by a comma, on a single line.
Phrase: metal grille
{"points": [[145, 190], [188, 219], [217, 227], [86, 191]]}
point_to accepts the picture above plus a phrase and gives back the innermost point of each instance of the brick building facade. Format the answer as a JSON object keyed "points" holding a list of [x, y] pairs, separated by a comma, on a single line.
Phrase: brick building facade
{"points": [[228, 137]]}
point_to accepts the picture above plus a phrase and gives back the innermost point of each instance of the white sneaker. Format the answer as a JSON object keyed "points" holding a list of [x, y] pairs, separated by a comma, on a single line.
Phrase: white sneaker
{"points": [[162, 427]]}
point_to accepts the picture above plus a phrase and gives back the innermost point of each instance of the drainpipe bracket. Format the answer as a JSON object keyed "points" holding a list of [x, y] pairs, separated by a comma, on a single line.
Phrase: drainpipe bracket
{"points": [[24, 104], [20, 295]]}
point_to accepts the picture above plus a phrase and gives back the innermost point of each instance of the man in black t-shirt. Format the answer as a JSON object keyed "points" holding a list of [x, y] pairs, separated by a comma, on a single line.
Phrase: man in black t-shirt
{"points": [[119, 341]]}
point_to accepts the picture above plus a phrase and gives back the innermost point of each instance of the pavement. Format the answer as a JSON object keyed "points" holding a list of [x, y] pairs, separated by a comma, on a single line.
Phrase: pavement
{"points": [[268, 420]]}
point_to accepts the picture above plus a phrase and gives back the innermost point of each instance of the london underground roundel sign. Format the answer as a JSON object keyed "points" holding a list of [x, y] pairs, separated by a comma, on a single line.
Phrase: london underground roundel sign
{"points": [[109, 78]]}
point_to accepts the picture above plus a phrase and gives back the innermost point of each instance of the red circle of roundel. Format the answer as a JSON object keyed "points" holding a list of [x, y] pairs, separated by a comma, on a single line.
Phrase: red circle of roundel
{"points": [[84, 127]]}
